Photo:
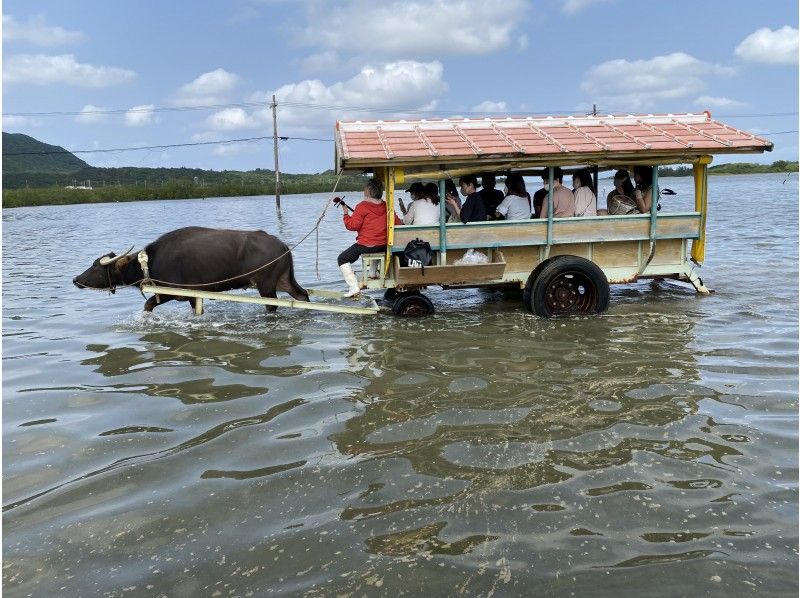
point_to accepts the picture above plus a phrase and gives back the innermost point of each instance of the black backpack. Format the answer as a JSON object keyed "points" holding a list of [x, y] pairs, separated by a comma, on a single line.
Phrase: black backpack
{"points": [[418, 254]]}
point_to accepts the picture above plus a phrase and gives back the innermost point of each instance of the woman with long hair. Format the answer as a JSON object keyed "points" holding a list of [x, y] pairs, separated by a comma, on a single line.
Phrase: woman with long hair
{"points": [[643, 194], [424, 210], [620, 200], [583, 188], [517, 202]]}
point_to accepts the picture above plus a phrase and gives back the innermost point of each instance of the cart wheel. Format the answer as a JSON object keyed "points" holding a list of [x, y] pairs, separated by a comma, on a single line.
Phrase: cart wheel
{"points": [[567, 285], [412, 305], [528, 290]]}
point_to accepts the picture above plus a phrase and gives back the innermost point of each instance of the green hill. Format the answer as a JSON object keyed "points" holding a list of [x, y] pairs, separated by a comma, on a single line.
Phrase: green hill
{"points": [[33, 159]]}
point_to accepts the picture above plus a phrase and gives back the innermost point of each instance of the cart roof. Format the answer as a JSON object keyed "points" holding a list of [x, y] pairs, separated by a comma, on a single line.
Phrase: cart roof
{"points": [[518, 141]]}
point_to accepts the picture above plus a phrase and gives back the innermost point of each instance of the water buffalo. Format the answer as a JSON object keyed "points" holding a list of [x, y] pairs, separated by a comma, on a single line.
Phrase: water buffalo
{"points": [[189, 257]]}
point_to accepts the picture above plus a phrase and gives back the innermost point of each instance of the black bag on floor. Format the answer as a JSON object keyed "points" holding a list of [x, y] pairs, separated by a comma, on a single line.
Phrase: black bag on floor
{"points": [[417, 254]]}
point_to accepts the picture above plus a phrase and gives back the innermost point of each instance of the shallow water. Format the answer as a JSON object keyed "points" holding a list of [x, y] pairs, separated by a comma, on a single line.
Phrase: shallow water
{"points": [[481, 451]]}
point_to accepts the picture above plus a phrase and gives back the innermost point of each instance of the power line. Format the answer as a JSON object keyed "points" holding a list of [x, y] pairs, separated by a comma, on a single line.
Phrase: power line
{"points": [[164, 146], [221, 142], [340, 108]]}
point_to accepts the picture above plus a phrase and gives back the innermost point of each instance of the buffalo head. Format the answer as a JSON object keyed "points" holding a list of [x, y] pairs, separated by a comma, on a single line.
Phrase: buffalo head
{"points": [[105, 272]]}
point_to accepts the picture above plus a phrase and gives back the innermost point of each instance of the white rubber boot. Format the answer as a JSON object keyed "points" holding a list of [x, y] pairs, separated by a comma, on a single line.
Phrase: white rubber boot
{"points": [[351, 280]]}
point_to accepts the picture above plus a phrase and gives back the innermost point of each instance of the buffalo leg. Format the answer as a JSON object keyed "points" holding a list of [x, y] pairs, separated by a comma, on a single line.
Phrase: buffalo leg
{"points": [[150, 304], [267, 290]]}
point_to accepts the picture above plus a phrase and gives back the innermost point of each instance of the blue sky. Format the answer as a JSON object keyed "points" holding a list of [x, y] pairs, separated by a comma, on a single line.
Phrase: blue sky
{"points": [[131, 69]]}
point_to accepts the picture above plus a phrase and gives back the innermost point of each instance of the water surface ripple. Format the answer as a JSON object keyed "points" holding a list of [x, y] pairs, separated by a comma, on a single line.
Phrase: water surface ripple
{"points": [[482, 451]]}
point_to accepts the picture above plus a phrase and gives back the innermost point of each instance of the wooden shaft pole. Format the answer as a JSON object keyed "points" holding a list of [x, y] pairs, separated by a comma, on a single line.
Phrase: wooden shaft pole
{"points": [[275, 149]]}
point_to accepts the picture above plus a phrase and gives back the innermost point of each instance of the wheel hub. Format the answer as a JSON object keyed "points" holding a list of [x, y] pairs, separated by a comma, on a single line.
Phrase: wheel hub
{"points": [[569, 292]]}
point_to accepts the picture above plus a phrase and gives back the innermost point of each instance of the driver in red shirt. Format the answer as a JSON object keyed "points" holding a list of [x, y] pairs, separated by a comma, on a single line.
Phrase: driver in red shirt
{"points": [[369, 221]]}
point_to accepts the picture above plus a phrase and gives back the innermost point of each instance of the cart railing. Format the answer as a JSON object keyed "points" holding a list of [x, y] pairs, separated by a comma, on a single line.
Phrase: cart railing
{"points": [[516, 233]]}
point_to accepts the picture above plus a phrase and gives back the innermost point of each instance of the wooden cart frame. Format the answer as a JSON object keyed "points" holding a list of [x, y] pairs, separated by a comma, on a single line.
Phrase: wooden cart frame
{"points": [[624, 248]]}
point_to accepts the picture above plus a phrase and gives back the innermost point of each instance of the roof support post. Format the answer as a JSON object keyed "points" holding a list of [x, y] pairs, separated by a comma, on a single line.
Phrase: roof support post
{"points": [[653, 206], [549, 211], [388, 175], [653, 218], [700, 172], [442, 224]]}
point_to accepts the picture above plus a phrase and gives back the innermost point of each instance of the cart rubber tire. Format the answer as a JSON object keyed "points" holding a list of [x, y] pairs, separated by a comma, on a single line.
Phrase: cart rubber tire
{"points": [[526, 292], [567, 285], [412, 305]]}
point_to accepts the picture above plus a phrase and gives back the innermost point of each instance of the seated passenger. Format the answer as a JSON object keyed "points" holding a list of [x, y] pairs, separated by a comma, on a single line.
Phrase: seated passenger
{"points": [[620, 200], [643, 194], [369, 221], [585, 198], [517, 202], [490, 196], [538, 199], [472, 210], [416, 191], [451, 195], [426, 209], [563, 199]]}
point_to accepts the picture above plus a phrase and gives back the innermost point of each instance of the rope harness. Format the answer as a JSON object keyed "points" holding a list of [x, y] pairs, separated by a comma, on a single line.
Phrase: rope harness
{"points": [[143, 259]]}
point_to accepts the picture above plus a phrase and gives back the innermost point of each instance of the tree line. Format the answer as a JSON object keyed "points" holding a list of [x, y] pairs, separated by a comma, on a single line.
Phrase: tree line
{"points": [[782, 166]]}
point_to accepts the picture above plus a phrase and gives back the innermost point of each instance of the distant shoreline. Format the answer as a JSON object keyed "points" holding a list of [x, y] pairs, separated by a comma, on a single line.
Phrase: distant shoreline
{"points": [[50, 196]]}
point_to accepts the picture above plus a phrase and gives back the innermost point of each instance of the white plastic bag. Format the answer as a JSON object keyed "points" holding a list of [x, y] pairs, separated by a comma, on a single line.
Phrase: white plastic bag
{"points": [[472, 257]]}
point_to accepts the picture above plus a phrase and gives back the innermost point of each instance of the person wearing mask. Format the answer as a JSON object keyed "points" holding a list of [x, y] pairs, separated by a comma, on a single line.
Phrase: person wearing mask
{"points": [[620, 200], [490, 196], [472, 210], [583, 190], [369, 221], [517, 203], [563, 199], [643, 194], [416, 191], [426, 209]]}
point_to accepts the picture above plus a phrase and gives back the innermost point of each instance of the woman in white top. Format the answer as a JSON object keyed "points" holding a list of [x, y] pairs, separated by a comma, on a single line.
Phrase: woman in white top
{"points": [[517, 202], [426, 209], [585, 198]]}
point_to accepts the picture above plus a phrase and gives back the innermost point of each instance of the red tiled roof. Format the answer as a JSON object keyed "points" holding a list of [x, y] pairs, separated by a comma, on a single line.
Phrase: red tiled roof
{"points": [[520, 138]]}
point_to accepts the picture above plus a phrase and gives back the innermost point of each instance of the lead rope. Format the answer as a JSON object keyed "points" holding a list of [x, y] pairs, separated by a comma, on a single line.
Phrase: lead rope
{"points": [[147, 278]]}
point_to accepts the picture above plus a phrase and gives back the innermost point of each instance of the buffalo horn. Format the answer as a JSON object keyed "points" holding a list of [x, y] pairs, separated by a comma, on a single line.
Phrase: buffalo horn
{"points": [[107, 261]]}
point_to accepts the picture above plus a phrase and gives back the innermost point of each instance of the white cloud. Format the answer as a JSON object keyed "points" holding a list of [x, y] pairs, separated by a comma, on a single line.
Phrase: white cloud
{"points": [[622, 85], [770, 47], [208, 89], [91, 115], [42, 69], [141, 115], [718, 102], [12, 121], [375, 89], [490, 106], [232, 119], [572, 7], [430, 29], [37, 32], [404, 83]]}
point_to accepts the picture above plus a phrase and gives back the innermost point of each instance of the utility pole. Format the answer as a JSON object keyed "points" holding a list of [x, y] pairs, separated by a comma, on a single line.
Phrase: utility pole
{"points": [[594, 109], [275, 148]]}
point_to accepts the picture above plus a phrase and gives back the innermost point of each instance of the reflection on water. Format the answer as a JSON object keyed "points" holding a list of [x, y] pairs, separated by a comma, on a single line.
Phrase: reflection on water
{"points": [[478, 452]]}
